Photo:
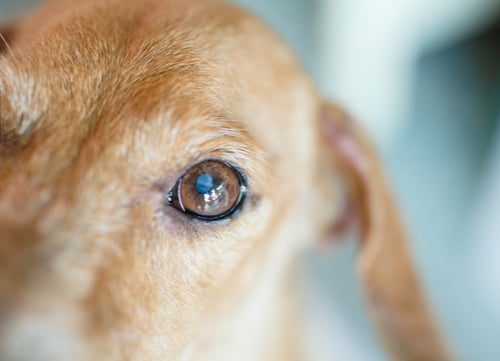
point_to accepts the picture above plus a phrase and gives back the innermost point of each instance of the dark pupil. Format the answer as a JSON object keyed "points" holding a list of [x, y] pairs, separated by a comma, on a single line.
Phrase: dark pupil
{"points": [[204, 183]]}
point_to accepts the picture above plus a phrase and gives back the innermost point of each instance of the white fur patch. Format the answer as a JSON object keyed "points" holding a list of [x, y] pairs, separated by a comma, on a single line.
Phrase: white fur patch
{"points": [[20, 90], [40, 337]]}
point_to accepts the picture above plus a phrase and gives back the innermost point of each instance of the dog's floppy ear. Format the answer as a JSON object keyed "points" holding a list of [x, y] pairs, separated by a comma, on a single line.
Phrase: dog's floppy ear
{"points": [[384, 265]]}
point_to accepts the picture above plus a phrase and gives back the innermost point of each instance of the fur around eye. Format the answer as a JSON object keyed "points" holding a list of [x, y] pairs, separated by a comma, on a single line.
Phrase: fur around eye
{"points": [[210, 190]]}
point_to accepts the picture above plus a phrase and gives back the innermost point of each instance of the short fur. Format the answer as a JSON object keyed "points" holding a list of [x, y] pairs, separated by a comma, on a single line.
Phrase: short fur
{"points": [[103, 105]]}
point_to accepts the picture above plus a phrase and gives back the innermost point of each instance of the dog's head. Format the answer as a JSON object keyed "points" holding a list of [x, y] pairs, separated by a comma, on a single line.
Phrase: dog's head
{"points": [[161, 163]]}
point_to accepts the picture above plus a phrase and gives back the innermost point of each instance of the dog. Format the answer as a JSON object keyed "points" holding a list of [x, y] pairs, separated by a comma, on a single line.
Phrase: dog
{"points": [[162, 165]]}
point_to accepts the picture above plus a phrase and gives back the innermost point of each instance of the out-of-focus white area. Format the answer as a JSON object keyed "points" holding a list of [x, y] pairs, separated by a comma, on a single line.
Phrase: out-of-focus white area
{"points": [[337, 325], [423, 76], [368, 51]]}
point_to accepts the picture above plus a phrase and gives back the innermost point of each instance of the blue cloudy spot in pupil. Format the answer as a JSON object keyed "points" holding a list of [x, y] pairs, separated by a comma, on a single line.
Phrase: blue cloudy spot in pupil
{"points": [[204, 183]]}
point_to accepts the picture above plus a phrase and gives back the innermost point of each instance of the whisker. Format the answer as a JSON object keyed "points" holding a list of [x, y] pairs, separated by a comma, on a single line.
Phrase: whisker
{"points": [[5, 44]]}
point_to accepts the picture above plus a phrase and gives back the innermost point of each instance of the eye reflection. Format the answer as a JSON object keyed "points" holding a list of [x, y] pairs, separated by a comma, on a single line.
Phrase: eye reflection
{"points": [[209, 190], [214, 197]]}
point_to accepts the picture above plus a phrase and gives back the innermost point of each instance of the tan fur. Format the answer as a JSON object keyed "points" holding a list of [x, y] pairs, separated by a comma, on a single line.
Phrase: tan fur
{"points": [[103, 105]]}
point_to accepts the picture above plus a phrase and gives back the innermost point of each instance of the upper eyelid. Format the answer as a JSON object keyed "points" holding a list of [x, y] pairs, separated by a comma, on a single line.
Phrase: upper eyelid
{"points": [[225, 139]]}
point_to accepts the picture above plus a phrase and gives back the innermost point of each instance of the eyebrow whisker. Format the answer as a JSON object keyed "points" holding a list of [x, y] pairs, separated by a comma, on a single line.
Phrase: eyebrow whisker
{"points": [[6, 44]]}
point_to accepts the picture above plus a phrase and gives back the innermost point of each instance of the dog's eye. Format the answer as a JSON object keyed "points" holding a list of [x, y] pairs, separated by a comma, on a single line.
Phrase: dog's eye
{"points": [[210, 190]]}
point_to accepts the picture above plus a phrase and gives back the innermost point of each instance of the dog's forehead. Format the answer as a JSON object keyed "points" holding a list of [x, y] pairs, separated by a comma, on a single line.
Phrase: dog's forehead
{"points": [[83, 75]]}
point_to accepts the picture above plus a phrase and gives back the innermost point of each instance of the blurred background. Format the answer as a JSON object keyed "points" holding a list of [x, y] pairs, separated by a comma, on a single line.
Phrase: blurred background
{"points": [[423, 77]]}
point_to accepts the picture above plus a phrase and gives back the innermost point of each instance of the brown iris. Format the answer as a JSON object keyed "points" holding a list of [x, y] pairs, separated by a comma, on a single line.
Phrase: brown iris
{"points": [[209, 190]]}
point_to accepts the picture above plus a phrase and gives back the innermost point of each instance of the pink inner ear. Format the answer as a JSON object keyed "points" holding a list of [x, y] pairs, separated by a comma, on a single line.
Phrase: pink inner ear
{"points": [[347, 220], [343, 143]]}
